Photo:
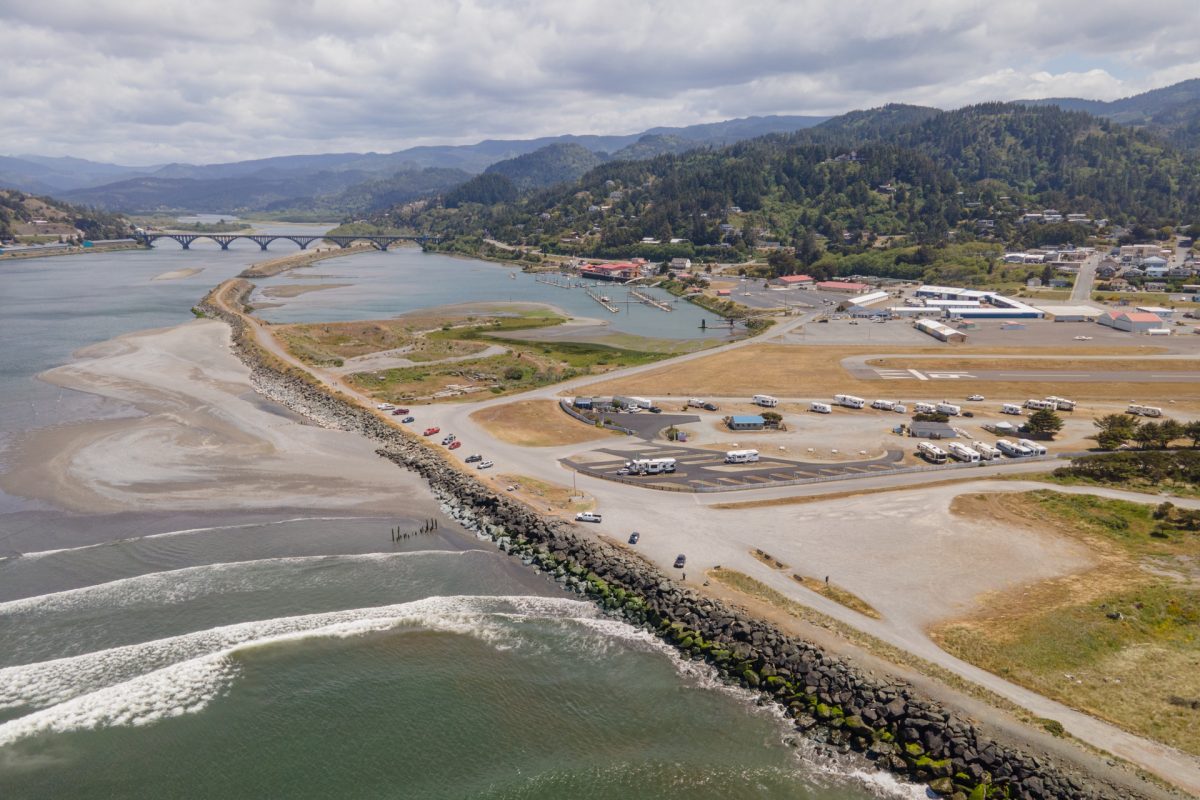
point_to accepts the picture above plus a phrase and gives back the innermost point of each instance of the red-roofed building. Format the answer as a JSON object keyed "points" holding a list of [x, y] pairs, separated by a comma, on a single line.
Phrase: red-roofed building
{"points": [[788, 281], [1132, 321], [843, 286], [616, 271]]}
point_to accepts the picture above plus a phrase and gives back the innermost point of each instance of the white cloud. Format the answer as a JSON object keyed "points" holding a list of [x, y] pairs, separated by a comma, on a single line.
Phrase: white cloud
{"points": [[206, 80]]}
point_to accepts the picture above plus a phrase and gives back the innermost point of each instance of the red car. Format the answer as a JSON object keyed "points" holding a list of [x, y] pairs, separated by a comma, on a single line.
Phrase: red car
{"points": [[455, 444], [399, 411], [432, 431]]}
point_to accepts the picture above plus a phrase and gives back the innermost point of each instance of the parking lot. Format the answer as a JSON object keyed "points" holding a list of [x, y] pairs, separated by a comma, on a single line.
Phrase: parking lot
{"points": [[699, 470]]}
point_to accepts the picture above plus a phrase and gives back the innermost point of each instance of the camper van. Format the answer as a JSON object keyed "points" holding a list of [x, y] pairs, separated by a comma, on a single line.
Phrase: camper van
{"points": [[821, 408], [986, 451], [948, 408], [764, 400], [932, 453], [651, 466], [883, 405], [849, 401], [1034, 447], [1011, 408], [741, 456], [924, 408], [1061, 403], [963, 453], [1041, 405], [695, 402], [1144, 411], [900, 408], [1012, 450]]}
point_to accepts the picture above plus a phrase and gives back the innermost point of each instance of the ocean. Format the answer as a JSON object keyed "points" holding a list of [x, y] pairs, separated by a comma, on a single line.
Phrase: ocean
{"points": [[277, 652]]}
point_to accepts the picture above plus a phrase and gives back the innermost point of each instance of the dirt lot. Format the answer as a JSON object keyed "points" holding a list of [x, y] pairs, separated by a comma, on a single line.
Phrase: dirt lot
{"points": [[537, 423], [1116, 640], [805, 371]]}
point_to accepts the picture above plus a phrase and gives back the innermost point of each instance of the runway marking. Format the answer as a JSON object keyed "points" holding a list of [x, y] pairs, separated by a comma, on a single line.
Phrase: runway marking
{"points": [[909, 374]]}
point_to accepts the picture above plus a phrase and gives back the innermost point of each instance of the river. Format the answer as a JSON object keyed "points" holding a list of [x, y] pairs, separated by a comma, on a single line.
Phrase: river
{"points": [[245, 652]]}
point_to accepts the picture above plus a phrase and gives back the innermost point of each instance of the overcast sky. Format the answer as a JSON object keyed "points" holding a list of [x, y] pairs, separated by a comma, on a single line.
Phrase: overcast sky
{"points": [[143, 82]]}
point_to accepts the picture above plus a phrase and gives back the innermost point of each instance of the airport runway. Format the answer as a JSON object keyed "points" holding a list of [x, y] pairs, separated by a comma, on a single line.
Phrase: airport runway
{"points": [[857, 366]]}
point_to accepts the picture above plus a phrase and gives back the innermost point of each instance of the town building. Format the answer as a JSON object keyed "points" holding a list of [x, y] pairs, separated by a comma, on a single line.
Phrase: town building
{"points": [[850, 287], [745, 422], [1131, 321]]}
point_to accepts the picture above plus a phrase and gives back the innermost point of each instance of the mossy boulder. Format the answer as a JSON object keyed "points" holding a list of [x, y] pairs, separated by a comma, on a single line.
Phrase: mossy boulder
{"points": [[943, 786]]}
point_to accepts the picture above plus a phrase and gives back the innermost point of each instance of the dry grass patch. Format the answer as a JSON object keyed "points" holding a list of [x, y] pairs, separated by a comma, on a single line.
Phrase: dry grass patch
{"points": [[809, 371], [966, 363], [551, 497], [537, 423], [1121, 640], [837, 594]]}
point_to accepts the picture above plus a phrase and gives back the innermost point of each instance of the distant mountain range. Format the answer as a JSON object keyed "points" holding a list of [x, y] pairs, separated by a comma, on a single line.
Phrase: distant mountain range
{"points": [[1172, 112], [341, 183]]}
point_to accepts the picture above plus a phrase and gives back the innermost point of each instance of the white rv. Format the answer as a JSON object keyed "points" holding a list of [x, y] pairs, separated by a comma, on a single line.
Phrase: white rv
{"points": [[1041, 405], [883, 405], [741, 456], [820, 408], [1011, 408], [932, 453], [1012, 450], [849, 401], [651, 466], [900, 408], [1062, 403], [764, 400], [924, 408], [1144, 411], [986, 451], [1035, 448], [948, 408], [962, 453]]}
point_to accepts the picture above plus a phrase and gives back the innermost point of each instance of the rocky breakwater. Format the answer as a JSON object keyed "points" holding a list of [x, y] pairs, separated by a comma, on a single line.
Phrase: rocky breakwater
{"points": [[830, 701]]}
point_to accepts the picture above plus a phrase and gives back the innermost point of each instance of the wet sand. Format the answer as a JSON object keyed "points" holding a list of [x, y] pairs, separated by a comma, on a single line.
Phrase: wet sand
{"points": [[178, 274], [205, 440], [296, 291]]}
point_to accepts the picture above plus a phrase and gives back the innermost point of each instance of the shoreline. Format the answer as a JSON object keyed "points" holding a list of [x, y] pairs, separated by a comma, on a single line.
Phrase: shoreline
{"points": [[282, 264], [70, 251], [830, 700]]}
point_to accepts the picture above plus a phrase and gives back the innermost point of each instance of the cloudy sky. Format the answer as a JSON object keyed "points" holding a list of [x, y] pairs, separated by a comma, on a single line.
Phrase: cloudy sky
{"points": [[153, 81]]}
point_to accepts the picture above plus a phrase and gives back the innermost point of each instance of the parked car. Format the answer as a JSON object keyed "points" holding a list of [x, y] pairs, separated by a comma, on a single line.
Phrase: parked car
{"points": [[431, 431], [399, 411], [634, 537], [471, 459], [623, 471], [455, 445], [484, 465], [710, 406], [406, 420], [587, 516], [450, 437], [968, 413], [385, 406], [680, 560], [654, 410], [976, 398]]}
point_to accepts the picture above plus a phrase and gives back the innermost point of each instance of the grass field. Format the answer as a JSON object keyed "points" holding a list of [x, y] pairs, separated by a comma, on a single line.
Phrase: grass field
{"points": [[1172, 489], [537, 423], [1121, 640], [810, 371]]}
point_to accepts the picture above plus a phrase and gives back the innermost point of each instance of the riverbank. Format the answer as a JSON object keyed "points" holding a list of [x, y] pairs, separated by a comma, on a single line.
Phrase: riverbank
{"points": [[831, 701], [277, 266], [69, 251]]}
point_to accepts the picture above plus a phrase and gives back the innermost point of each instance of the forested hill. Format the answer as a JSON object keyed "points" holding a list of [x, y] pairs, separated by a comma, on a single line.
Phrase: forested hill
{"points": [[900, 170], [26, 214]]}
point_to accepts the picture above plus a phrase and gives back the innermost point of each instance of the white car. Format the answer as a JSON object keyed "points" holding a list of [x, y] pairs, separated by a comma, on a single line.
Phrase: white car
{"points": [[587, 516], [385, 407], [485, 465], [1083, 338], [976, 397]]}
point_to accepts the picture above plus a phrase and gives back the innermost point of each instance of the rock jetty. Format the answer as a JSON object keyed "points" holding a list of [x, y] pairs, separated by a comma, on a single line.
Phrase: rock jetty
{"points": [[830, 701]]}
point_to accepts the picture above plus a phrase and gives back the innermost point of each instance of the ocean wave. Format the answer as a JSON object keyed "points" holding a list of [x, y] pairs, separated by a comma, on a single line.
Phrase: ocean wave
{"points": [[181, 585], [65, 683], [35, 554]]}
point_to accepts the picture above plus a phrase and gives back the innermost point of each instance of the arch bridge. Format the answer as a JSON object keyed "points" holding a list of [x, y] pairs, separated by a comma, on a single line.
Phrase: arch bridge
{"points": [[263, 240]]}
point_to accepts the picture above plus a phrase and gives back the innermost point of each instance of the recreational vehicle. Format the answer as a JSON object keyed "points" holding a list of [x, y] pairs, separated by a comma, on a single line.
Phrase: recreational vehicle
{"points": [[1034, 447], [932, 453], [1041, 405], [1012, 450], [849, 401], [741, 456], [1011, 408], [1062, 403], [948, 408], [1144, 411], [986, 451], [764, 400], [883, 405], [924, 408], [963, 453], [820, 408]]}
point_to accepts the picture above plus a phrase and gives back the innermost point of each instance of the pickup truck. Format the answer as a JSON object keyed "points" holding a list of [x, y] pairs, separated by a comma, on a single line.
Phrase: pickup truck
{"points": [[587, 516]]}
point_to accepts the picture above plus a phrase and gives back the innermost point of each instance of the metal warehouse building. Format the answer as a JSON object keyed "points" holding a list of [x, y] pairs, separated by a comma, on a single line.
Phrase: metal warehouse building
{"points": [[940, 330]]}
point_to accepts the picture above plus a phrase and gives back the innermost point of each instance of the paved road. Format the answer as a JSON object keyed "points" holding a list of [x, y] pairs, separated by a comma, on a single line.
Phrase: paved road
{"points": [[1081, 292]]}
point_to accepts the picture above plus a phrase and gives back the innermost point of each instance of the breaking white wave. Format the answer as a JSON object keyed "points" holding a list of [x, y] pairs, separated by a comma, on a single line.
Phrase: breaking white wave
{"points": [[153, 680], [181, 585], [187, 532]]}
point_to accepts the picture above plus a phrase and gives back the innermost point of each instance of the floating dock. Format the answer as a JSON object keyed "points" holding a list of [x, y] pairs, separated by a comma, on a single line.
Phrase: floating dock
{"points": [[650, 301], [602, 300]]}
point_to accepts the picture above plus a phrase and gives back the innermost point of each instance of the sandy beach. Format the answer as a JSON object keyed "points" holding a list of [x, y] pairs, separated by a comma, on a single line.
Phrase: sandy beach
{"points": [[205, 439], [178, 274]]}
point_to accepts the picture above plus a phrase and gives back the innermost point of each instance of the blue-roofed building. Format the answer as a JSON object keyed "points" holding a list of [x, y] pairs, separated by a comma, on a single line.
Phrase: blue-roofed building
{"points": [[745, 422]]}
